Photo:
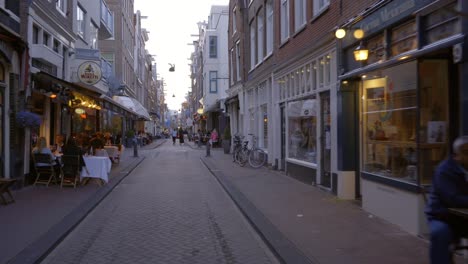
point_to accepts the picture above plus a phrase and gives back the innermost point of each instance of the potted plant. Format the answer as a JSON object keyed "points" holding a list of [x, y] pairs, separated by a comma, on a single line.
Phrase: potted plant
{"points": [[28, 119], [226, 140]]}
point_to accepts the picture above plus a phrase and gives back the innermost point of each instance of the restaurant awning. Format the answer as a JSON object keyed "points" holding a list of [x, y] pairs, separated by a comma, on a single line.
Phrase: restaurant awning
{"points": [[133, 104]]}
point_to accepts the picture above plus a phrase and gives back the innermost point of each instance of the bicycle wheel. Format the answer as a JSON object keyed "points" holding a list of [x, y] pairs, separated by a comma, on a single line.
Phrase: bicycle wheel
{"points": [[243, 157], [257, 158]]}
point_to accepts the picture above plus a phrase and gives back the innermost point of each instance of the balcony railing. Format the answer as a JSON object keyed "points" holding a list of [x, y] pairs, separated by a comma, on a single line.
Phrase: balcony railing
{"points": [[107, 21]]}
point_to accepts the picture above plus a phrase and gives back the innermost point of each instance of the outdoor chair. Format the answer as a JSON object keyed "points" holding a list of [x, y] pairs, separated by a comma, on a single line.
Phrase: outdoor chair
{"points": [[70, 170], [44, 166], [5, 185]]}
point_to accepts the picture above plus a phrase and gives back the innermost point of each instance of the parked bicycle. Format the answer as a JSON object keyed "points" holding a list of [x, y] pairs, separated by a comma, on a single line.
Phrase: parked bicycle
{"points": [[257, 156], [243, 153], [237, 147]]}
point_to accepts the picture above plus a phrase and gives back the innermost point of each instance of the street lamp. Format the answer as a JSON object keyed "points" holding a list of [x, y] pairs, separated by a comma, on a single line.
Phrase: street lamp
{"points": [[361, 53], [172, 68]]}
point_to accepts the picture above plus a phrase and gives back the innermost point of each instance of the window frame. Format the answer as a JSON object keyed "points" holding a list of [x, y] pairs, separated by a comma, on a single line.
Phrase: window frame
{"points": [[213, 81], [80, 24], [300, 14], [260, 35], [213, 47], [284, 9], [269, 27]]}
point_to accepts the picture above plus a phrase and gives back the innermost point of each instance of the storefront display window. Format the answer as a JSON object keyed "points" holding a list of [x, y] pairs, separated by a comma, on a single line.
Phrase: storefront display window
{"points": [[302, 126], [394, 145]]}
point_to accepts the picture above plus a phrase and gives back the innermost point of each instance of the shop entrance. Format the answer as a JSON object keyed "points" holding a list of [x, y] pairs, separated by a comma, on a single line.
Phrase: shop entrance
{"points": [[325, 140], [1, 131]]}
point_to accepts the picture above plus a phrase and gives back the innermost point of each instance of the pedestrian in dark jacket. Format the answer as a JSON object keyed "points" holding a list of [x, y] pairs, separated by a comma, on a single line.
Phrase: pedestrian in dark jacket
{"points": [[449, 190], [181, 136], [71, 148]]}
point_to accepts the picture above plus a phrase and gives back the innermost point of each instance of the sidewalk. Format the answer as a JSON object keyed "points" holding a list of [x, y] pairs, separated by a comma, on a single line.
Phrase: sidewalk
{"points": [[304, 224], [42, 216]]}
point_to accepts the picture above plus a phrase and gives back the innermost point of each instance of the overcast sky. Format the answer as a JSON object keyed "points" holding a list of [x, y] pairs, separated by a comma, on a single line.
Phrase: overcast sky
{"points": [[171, 24]]}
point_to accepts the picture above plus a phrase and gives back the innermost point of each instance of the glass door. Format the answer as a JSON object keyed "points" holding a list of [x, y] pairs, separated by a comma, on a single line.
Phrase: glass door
{"points": [[325, 140]]}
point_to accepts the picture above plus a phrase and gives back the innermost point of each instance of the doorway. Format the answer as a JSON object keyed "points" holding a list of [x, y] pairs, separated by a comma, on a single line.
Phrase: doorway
{"points": [[325, 140]]}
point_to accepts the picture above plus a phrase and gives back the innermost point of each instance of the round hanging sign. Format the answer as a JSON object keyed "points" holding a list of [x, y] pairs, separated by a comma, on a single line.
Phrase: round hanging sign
{"points": [[89, 72]]}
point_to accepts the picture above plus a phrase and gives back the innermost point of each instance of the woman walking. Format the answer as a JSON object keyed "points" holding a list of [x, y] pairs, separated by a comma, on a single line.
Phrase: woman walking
{"points": [[181, 136]]}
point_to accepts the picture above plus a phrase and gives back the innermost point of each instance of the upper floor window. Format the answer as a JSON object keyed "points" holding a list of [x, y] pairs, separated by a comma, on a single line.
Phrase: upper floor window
{"points": [[238, 61], [213, 46], [253, 46], [234, 20], [13, 6], [320, 5], [45, 38], [213, 81], [231, 66], [260, 50], [56, 46], [35, 34], [299, 14], [93, 35], [269, 27], [80, 21], [61, 5], [284, 20]]}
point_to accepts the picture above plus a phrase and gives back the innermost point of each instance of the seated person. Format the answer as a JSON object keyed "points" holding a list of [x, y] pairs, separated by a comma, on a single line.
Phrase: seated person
{"points": [[449, 189], [71, 148], [41, 147]]}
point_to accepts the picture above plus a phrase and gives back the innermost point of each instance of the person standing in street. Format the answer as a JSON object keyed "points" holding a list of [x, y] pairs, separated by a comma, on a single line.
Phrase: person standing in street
{"points": [[200, 138], [181, 136], [449, 190], [174, 136]]}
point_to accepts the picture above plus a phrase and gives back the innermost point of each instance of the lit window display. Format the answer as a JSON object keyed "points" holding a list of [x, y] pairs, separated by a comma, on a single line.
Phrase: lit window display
{"points": [[302, 126], [395, 144]]}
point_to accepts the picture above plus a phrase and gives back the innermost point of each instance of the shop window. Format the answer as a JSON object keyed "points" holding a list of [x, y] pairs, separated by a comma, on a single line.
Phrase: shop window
{"points": [[434, 116], [376, 49], [307, 78], [264, 143], [321, 70], [302, 126], [394, 143], [441, 24], [313, 81], [404, 38]]}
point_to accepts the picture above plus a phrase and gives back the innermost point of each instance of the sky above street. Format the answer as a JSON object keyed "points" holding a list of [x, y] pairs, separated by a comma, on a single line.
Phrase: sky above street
{"points": [[170, 25]]}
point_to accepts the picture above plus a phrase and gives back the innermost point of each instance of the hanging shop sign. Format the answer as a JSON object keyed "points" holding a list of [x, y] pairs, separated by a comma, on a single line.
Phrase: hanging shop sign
{"points": [[79, 111], [89, 72]]}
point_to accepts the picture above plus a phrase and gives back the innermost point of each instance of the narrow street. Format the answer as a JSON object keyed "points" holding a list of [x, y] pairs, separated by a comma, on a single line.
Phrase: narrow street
{"points": [[170, 209]]}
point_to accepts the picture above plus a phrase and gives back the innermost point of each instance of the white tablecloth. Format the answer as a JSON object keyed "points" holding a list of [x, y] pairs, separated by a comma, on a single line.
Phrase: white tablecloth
{"points": [[98, 167]]}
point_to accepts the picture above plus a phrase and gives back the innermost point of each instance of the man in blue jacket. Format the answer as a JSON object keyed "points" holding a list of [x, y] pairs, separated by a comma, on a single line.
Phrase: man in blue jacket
{"points": [[449, 189]]}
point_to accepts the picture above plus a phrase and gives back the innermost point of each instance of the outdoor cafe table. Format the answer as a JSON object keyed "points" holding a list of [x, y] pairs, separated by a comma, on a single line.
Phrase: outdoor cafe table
{"points": [[113, 151], [96, 167]]}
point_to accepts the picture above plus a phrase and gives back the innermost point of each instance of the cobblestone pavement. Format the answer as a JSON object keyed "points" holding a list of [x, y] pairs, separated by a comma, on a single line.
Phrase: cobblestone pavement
{"points": [[169, 210]]}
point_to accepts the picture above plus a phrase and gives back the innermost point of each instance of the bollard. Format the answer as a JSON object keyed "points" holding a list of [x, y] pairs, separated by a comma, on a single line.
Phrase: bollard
{"points": [[135, 148]]}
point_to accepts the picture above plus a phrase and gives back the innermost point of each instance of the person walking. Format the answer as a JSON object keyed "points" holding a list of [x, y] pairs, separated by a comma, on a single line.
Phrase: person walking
{"points": [[181, 136], [449, 190], [200, 138], [174, 136], [214, 137]]}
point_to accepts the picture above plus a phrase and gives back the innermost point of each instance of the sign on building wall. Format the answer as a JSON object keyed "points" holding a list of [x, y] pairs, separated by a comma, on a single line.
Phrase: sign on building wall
{"points": [[89, 72]]}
